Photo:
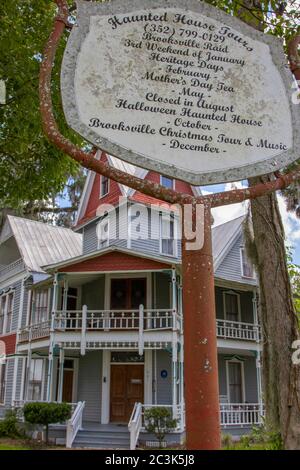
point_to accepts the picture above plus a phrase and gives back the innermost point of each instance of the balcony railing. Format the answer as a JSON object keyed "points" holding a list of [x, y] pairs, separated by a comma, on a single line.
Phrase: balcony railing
{"points": [[12, 269], [238, 330], [103, 320], [129, 320], [241, 414]]}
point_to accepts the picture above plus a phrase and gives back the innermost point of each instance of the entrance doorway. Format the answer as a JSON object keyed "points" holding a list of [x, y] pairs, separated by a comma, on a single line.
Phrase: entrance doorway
{"points": [[68, 380], [126, 294], [126, 388]]}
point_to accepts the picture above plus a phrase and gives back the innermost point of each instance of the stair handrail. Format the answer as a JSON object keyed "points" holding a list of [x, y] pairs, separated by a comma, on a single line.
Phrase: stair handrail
{"points": [[135, 424], [74, 424]]}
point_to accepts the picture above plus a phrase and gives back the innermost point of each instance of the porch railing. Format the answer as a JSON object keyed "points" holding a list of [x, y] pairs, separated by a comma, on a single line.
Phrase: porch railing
{"points": [[135, 425], [238, 330], [11, 269], [241, 414], [74, 424], [116, 320], [153, 319]]}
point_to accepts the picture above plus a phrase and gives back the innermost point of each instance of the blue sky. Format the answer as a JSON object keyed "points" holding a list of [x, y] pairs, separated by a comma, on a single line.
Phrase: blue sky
{"points": [[290, 221]]}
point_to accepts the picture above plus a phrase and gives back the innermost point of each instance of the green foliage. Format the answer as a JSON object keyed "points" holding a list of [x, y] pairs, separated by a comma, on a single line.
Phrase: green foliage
{"points": [[294, 273], [260, 438], [159, 421], [30, 167], [46, 413], [9, 426]]}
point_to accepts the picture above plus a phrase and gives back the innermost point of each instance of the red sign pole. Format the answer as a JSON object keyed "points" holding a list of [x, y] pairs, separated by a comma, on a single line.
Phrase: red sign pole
{"points": [[200, 342]]}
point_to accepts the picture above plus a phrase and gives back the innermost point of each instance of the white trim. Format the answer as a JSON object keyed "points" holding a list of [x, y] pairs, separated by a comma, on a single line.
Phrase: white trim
{"points": [[230, 292], [22, 389], [242, 377], [243, 249], [105, 402]]}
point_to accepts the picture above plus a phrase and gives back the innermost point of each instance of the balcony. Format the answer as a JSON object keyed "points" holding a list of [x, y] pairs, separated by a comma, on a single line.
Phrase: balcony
{"points": [[127, 325], [11, 269], [238, 330], [121, 326]]}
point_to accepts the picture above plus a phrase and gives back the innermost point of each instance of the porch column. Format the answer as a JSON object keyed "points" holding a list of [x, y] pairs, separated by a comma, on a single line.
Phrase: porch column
{"points": [[27, 373], [174, 344], [51, 342], [65, 295], [61, 374], [259, 381]]}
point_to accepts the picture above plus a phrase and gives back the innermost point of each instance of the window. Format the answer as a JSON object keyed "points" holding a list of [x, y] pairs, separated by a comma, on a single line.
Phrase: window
{"points": [[231, 306], [104, 185], [167, 182], [9, 313], [35, 379], [235, 378], [2, 383], [6, 312], [40, 306], [103, 233], [2, 312], [71, 301], [167, 235], [247, 266]]}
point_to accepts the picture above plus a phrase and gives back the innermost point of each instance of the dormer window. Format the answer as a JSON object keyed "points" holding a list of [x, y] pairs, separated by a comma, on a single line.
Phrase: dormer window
{"points": [[104, 185], [167, 182], [246, 265]]}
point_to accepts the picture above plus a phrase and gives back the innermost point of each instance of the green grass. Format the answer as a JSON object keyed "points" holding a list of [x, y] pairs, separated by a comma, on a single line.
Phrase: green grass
{"points": [[16, 446]]}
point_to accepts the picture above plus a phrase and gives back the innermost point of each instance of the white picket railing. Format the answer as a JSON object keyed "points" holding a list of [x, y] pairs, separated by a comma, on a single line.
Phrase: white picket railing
{"points": [[135, 425], [74, 424], [238, 330], [86, 320], [241, 414]]}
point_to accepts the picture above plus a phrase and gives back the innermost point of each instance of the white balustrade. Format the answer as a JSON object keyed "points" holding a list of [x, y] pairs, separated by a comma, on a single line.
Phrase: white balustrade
{"points": [[135, 425], [238, 330], [74, 423], [241, 414]]}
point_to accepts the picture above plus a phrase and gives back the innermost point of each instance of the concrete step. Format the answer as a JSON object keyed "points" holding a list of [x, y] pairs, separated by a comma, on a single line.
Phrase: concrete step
{"points": [[101, 439]]}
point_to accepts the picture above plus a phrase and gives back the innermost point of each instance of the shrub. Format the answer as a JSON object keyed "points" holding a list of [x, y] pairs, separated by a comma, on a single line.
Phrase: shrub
{"points": [[159, 421], [46, 413], [9, 425]]}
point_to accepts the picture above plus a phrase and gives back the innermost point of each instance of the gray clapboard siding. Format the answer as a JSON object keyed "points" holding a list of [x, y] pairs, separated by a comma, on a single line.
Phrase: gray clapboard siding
{"points": [[164, 385], [16, 306], [89, 385], [245, 300], [10, 364], [19, 383], [230, 267], [251, 395]]}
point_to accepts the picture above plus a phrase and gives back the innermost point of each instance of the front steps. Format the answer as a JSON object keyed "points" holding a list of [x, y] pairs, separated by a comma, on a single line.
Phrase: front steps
{"points": [[105, 436]]}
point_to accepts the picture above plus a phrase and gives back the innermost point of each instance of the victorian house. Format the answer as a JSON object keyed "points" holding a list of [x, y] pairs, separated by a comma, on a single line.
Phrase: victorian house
{"points": [[93, 316]]}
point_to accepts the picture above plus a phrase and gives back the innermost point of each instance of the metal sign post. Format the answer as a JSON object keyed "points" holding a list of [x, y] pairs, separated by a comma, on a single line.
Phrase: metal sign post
{"points": [[200, 352]]}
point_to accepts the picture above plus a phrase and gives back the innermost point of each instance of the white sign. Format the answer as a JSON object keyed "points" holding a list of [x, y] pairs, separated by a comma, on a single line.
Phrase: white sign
{"points": [[181, 88]]}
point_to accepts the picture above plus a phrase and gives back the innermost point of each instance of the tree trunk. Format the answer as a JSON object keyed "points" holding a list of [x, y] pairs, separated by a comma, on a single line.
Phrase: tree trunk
{"points": [[281, 379]]}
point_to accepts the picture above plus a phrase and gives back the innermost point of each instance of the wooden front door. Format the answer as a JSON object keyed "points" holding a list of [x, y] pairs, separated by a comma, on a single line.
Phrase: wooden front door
{"points": [[128, 293], [67, 394], [126, 388]]}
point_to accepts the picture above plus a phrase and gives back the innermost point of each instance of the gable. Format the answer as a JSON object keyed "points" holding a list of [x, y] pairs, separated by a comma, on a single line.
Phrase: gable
{"points": [[230, 267], [154, 177], [93, 195], [115, 262]]}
